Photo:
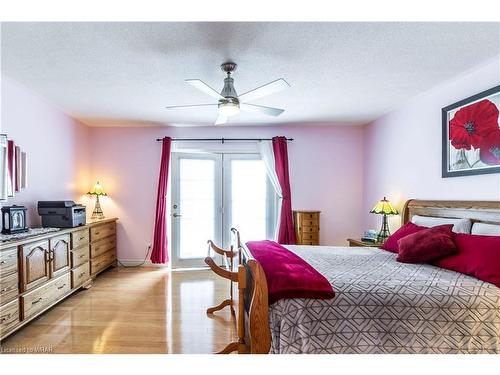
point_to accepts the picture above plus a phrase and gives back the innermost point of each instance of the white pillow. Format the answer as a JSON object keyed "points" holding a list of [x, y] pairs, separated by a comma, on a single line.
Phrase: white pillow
{"points": [[483, 229], [459, 225]]}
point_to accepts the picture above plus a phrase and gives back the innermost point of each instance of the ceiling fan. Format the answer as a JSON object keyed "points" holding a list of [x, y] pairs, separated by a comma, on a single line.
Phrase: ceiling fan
{"points": [[229, 102]]}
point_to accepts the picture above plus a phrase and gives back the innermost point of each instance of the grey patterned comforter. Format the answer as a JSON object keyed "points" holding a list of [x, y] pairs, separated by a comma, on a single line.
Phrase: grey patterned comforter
{"points": [[383, 306]]}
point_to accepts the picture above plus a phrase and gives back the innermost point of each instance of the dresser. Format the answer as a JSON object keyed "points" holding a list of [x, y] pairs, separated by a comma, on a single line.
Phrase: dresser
{"points": [[306, 227], [38, 272]]}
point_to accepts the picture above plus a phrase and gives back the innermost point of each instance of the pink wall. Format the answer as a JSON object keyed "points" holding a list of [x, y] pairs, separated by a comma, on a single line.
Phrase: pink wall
{"points": [[339, 170], [65, 157], [325, 172], [55, 143], [402, 156]]}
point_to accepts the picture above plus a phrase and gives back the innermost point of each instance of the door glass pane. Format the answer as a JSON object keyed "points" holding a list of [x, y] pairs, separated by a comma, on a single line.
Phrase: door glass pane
{"points": [[197, 206], [248, 198]]}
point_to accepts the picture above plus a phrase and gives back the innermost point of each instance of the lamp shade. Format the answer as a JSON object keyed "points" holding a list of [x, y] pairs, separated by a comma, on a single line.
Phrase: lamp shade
{"points": [[97, 189], [384, 207]]}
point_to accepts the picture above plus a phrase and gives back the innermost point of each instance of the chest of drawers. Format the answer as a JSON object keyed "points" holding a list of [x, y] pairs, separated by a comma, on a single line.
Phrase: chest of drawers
{"points": [[306, 227], [39, 272]]}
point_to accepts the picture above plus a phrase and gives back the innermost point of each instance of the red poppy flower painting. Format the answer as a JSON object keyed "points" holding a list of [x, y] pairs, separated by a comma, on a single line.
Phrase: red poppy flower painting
{"points": [[490, 148], [471, 123], [471, 135]]}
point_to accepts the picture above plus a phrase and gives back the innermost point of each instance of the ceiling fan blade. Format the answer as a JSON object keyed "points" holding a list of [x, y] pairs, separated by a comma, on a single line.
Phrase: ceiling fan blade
{"points": [[270, 111], [265, 90], [189, 106], [220, 120], [202, 86]]}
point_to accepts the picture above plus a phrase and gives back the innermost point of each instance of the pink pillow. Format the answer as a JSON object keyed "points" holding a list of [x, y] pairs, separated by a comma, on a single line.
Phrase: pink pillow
{"points": [[391, 244], [477, 256], [427, 244]]}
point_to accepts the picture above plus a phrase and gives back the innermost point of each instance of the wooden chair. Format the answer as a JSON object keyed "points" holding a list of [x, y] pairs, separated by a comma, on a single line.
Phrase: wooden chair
{"points": [[226, 272], [238, 277]]}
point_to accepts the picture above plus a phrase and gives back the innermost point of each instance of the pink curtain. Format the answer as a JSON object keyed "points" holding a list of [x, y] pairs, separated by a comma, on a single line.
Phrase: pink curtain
{"points": [[286, 232], [160, 248]]}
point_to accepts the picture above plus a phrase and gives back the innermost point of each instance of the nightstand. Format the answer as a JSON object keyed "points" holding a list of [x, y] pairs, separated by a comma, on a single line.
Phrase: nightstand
{"points": [[360, 243]]}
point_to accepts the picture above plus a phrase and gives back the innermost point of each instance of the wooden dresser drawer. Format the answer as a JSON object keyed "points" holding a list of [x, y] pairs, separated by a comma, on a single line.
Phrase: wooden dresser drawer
{"points": [[102, 246], [80, 238], [40, 298], [101, 262], [314, 236], [309, 222], [8, 261], [102, 231], [9, 316], [309, 216], [309, 229], [80, 256], [8, 287], [80, 275]]}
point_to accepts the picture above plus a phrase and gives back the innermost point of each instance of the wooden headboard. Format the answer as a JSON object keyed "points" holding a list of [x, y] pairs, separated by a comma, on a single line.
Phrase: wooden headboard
{"points": [[477, 211]]}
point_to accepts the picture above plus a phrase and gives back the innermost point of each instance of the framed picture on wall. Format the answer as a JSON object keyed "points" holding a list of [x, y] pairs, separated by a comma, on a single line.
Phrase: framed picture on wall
{"points": [[4, 175], [471, 135]]}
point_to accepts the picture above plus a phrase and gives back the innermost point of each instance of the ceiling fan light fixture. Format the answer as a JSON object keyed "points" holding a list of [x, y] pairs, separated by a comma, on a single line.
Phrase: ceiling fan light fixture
{"points": [[228, 100], [228, 109]]}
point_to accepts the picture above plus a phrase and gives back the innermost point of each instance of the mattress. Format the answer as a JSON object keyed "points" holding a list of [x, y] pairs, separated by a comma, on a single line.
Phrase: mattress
{"points": [[383, 306]]}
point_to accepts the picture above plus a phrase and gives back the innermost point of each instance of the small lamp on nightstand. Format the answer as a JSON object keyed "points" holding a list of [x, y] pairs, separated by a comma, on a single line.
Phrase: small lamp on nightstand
{"points": [[384, 207], [97, 190]]}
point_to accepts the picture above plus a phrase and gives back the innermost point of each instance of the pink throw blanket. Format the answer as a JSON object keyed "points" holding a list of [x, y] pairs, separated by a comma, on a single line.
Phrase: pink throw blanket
{"points": [[287, 274]]}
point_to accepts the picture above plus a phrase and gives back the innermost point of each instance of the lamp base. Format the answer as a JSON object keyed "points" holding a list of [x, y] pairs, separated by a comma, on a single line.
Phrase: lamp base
{"points": [[97, 214], [384, 231]]}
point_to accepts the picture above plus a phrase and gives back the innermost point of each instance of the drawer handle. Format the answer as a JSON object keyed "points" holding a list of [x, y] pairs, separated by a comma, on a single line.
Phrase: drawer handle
{"points": [[62, 286], [38, 300], [3, 290], [81, 256], [82, 238], [97, 233], [82, 274], [2, 262], [5, 317]]}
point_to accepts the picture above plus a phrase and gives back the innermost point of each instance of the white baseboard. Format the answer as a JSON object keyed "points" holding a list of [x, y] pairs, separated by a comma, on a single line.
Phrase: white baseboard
{"points": [[147, 263]]}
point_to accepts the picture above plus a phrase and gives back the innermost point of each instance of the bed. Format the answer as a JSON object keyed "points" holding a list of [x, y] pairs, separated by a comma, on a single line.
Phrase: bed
{"points": [[381, 306]]}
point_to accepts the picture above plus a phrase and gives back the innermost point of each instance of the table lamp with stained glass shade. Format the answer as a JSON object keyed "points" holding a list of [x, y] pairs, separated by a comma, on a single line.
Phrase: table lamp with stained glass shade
{"points": [[384, 207], [98, 191]]}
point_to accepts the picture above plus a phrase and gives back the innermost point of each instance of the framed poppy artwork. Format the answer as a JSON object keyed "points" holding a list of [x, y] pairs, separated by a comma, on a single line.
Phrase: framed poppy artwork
{"points": [[471, 135]]}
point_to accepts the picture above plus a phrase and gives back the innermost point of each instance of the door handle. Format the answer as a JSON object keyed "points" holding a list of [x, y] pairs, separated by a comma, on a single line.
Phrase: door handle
{"points": [[176, 215]]}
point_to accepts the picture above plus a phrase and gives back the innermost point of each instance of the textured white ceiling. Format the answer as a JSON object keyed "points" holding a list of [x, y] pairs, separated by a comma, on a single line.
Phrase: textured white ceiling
{"points": [[125, 73]]}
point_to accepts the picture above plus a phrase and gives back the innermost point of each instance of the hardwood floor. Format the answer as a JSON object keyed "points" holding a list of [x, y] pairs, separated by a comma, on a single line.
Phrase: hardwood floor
{"points": [[134, 310]]}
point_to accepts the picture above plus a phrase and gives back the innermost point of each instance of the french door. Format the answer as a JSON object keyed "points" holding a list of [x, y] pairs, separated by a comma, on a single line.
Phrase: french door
{"points": [[212, 193]]}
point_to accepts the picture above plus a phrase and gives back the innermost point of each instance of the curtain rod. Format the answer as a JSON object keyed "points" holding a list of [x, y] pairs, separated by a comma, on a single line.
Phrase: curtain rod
{"points": [[219, 139]]}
